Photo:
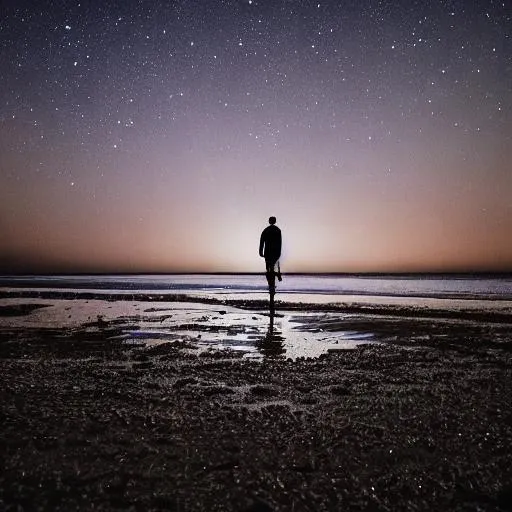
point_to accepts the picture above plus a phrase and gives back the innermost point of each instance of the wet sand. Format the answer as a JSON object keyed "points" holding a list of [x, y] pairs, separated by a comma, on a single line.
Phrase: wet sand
{"points": [[197, 404]]}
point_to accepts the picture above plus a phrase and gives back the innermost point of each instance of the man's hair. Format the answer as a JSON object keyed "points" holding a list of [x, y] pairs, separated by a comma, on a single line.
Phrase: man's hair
{"points": [[272, 220]]}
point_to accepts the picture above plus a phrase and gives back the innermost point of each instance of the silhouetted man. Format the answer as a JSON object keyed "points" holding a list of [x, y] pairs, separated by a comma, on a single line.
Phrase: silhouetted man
{"points": [[270, 249]]}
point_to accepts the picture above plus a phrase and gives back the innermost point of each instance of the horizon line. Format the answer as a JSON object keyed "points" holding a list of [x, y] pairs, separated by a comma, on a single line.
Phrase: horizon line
{"points": [[224, 273]]}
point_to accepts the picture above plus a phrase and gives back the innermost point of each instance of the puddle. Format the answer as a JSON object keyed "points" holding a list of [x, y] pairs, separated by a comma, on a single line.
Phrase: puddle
{"points": [[254, 334], [203, 326]]}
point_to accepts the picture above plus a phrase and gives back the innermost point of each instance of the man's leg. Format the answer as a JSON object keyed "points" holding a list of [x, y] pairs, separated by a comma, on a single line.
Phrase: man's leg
{"points": [[271, 275]]}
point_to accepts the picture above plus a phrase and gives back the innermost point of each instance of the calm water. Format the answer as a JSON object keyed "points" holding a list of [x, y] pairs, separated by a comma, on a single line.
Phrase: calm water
{"points": [[399, 286]]}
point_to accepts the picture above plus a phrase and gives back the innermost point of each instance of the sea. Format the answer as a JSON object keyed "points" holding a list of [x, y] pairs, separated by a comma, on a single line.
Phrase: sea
{"points": [[448, 286]]}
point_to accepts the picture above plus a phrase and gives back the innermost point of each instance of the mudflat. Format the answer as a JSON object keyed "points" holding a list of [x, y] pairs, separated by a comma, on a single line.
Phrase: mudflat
{"points": [[416, 418]]}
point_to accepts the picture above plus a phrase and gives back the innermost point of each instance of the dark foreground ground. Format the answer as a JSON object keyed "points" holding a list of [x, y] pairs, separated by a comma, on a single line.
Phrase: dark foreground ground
{"points": [[88, 424]]}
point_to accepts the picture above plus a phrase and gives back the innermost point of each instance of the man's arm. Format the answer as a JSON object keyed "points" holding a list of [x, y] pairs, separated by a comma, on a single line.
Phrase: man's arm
{"points": [[262, 243]]}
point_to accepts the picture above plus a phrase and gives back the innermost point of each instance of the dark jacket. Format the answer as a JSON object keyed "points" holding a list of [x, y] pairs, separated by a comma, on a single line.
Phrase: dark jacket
{"points": [[270, 243]]}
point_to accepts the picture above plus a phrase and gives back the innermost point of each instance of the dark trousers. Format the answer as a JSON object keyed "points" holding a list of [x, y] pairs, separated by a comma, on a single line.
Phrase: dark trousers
{"points": [[270, 264]]}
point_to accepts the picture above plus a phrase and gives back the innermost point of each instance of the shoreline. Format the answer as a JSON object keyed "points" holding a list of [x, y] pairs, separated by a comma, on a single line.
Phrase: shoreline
{"points": [[477, 309]]}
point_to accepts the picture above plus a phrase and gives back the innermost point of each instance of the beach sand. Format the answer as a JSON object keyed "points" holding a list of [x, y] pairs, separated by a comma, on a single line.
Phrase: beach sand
{"points": [[187, 403]]}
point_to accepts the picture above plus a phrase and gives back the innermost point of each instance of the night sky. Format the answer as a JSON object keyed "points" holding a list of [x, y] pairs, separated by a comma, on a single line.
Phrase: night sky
{"points": [[160, 136]]}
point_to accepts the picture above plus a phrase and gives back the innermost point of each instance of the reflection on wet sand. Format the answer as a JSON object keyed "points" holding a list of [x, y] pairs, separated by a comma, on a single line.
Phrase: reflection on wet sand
{"points": [[254, 333], [272, 344]]}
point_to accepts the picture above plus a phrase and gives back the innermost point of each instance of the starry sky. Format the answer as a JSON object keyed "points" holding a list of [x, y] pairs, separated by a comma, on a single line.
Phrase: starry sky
{"points": [[152, 136]]}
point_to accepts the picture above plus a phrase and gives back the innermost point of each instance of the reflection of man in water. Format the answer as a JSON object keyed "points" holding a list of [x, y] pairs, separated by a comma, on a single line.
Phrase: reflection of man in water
{"points": [[270, 249]]}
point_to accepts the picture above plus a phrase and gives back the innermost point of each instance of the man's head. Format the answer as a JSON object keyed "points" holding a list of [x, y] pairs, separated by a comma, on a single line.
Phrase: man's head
{"points": [[271, 220]]}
